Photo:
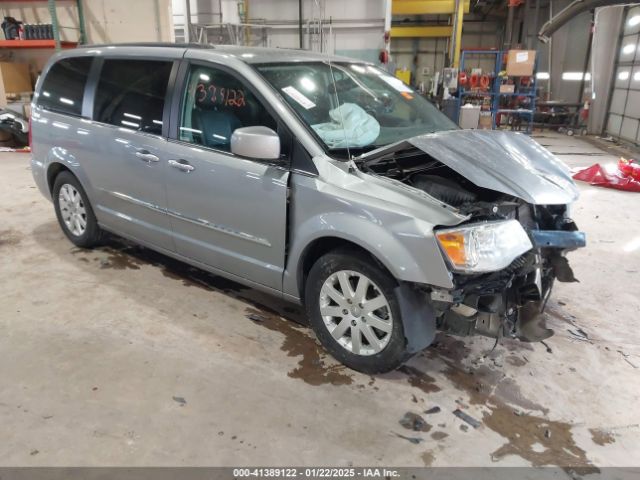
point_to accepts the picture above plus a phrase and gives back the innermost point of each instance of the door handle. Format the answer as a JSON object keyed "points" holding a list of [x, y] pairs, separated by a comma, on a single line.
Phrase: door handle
{"points": [[146, 155], [185, 167]]}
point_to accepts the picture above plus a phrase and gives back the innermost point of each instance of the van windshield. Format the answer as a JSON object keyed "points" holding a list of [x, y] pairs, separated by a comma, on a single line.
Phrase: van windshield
{"points": [[352, 105]]}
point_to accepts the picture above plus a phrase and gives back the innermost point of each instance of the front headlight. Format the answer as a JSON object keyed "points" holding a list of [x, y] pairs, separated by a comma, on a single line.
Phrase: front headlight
{"points": [[484, 247]]}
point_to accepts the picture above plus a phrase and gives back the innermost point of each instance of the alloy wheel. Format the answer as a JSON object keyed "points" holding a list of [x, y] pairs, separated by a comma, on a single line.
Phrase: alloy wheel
{"points": [[356, 312], [72, 209]]}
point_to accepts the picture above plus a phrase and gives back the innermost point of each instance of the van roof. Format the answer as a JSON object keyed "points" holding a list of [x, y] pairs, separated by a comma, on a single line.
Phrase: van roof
{"points": [[245, 54]]}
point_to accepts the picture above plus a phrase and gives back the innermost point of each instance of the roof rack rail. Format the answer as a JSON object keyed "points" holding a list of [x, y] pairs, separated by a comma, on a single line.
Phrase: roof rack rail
{"points": [[152, 44]]}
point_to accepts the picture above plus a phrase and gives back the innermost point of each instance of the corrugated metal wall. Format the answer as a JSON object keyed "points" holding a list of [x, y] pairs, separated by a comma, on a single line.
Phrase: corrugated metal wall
{"points": [[624, 108]]}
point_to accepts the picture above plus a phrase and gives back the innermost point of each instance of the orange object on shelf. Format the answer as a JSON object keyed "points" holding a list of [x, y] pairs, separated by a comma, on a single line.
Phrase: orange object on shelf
{"points": [[473, 81], [35, 44], [484, 81], [462, 78]]}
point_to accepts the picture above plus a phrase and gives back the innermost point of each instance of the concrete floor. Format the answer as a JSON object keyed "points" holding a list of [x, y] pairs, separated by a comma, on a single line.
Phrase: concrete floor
{"points": [[120, 356]]}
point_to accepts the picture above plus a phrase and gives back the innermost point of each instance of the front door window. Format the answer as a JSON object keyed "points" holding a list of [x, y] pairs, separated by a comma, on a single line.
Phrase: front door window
{"points": [[216, 103]]}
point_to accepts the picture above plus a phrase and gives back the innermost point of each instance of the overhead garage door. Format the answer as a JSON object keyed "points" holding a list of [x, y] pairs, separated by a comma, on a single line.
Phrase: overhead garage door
{"points": [[624, 110]]}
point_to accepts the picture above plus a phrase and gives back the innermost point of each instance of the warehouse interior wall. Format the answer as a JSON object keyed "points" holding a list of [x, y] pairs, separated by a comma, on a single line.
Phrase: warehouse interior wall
{"points": [[356, 26], [605, 46], [569, 47], [106, 21], [205, 12], [357, 31]]}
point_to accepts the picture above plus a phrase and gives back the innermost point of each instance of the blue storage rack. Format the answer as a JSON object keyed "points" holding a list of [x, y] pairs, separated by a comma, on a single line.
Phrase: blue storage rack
{"points": [[494, 91]]}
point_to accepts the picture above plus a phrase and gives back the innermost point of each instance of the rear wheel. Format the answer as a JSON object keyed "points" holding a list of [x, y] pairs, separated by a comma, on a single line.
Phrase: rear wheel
{"points": [[353, 309], [74, 212]]}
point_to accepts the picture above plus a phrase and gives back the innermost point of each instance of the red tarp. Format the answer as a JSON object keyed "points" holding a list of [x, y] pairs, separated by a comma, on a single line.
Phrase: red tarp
{"points": [[625, 177]]}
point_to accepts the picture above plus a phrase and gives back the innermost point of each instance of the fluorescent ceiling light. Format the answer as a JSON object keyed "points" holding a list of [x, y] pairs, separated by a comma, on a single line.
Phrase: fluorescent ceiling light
{"points": [[576, 76], [542, 75], [636, 77], [628, 48], [633, 21], [623, 75]]}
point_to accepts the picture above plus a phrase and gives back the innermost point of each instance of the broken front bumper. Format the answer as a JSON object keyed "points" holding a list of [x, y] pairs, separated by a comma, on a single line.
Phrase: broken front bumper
{"points": [[510, 302], [558, 239]]}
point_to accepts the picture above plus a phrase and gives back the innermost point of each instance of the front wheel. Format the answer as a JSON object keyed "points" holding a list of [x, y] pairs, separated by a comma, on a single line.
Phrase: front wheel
{"points": [[354, 312]]}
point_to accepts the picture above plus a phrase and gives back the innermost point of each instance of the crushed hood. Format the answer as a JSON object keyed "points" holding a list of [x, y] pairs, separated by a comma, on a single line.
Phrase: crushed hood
{"points": [[506, 162]]}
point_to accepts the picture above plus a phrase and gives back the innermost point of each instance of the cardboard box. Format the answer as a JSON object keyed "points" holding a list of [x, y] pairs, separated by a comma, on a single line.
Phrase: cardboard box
{"points": [[507, 88], [485, 122], [520, 63], [14, 80]]}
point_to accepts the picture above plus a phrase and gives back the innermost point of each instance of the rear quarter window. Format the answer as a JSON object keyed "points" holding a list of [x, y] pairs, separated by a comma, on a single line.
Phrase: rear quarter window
{"points": [[63, 87]]}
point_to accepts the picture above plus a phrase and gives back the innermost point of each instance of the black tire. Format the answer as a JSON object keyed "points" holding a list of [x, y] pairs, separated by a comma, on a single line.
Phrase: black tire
{"points": [[92, 235], [394, 354]]}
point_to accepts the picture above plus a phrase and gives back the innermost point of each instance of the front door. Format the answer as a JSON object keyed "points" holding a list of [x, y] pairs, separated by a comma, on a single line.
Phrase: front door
{"points": [[227, 212], [128, 163]]}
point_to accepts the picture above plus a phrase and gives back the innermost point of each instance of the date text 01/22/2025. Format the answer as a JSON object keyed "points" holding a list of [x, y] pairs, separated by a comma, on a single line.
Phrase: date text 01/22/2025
{"points": [[314, 473]]}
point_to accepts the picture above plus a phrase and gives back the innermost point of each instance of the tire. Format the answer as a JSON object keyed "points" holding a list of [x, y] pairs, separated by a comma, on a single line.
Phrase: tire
{"points": [[74, 212], [332, 269]]}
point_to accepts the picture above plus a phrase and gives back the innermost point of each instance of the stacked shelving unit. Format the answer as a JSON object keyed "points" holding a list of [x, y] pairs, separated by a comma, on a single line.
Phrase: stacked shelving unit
{"points": [[497, 97], [464, 93], [55, 42]]}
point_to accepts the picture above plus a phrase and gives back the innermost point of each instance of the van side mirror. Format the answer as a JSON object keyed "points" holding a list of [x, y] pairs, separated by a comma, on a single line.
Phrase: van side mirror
{"points": [[260, 143]]}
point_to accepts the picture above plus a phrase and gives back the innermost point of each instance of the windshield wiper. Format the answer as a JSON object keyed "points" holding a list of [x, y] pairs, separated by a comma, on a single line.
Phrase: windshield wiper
{"points": [[355, 151]]}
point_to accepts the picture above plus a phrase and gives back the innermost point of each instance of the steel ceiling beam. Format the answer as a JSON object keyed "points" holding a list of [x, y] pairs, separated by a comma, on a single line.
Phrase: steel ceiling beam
{"points": [[411, 32], [426, 7]]}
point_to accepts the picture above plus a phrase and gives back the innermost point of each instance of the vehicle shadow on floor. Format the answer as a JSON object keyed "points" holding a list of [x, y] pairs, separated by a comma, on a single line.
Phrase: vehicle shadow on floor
{"points": [[122, 254], [118, 253], [315, 365]]}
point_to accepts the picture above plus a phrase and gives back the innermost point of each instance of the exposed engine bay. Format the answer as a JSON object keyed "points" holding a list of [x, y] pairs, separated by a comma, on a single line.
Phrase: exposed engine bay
{"points": [[507, 302]]}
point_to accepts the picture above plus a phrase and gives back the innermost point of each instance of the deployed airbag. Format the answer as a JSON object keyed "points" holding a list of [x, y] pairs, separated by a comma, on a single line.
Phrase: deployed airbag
{"points": [[350, 126]]}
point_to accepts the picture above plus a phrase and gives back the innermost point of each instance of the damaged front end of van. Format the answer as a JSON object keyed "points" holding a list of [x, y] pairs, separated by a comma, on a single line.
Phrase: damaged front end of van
{"points": [[511, 247]]}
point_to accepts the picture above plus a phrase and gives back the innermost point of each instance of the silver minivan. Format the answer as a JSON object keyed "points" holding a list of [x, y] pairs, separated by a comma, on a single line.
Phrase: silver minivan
{"points": [[322, 180]]}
